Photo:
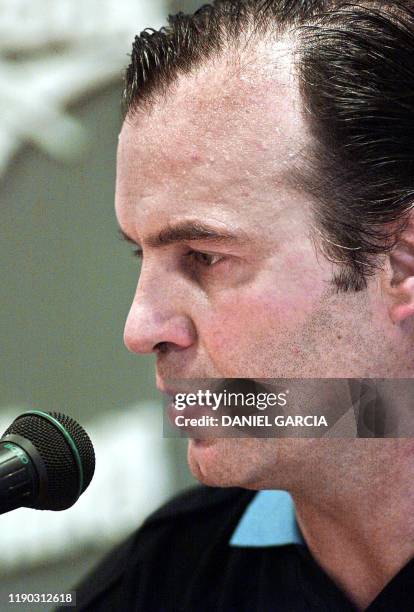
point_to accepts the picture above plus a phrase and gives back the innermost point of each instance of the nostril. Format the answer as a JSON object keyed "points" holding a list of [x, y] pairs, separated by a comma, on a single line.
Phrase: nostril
{"points": [[161, 347]]}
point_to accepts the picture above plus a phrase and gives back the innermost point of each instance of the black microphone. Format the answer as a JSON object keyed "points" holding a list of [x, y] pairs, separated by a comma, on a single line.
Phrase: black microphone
{"points": [[46, 462]]}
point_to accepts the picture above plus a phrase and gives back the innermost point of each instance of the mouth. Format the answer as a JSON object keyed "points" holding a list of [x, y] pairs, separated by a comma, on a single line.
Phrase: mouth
{"points": [[164, 389], [170, 390], [189, 421], [169, 386]]}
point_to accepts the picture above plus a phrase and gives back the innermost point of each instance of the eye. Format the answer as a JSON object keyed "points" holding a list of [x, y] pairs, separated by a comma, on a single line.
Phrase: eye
{"points": [[206, 260]]}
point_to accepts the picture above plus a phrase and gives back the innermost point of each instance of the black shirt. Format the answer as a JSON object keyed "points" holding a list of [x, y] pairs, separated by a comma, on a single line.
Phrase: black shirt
{"points": [[180, 560]]}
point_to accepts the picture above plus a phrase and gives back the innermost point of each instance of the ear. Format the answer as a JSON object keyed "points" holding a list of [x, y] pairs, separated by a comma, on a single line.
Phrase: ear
{"points": [[401, 282]]}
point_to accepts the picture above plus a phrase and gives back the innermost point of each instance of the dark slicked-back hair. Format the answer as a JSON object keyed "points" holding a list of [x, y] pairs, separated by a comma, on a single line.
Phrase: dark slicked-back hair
{"points": [[355, 65]]}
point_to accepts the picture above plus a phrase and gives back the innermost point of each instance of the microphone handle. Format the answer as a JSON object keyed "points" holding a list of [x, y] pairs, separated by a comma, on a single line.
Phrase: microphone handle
{"points": [[23, 476]]}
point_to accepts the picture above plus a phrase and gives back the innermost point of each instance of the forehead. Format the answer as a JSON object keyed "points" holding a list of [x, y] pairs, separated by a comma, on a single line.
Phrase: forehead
{"points": [[227, 130]]}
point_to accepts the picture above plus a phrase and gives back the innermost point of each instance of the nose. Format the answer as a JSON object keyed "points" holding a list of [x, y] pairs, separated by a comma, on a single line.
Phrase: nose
{"points": [[157, 322]]}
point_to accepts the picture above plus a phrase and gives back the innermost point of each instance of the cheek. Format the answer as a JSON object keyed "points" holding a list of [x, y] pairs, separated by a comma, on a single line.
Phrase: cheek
{"points": [[243, 328], [246, 329], [270, 311]]}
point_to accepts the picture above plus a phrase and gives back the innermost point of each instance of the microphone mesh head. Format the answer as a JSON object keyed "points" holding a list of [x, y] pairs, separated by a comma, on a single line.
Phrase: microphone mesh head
{"points": [[61, 467]]}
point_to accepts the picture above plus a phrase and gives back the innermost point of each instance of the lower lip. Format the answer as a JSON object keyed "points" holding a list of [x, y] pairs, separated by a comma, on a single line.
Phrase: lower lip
{"points": [[202, 443], [190, 431]]}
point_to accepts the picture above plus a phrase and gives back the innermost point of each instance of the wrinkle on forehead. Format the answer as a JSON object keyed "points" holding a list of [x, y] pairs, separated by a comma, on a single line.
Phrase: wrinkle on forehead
{"points": [[228, 112], [217, 145]]}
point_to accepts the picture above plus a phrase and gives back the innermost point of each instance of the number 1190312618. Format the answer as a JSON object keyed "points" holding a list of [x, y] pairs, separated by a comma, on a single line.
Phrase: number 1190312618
{"points": [[68, 599]]}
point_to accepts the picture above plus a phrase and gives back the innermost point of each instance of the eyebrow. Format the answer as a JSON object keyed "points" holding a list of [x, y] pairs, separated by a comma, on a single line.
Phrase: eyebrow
{"points": [[187, 230]]}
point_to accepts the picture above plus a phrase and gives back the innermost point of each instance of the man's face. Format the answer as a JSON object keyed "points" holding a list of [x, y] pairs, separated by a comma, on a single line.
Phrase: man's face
{"points": [[231, 284]]}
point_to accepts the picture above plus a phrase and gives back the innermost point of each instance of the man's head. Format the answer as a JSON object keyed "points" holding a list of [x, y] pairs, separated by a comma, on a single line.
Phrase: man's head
{"points": [[265, 168]]}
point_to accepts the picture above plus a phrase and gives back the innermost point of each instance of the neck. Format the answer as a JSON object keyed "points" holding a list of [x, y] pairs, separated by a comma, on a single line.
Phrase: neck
{"points": [[360, 527]]}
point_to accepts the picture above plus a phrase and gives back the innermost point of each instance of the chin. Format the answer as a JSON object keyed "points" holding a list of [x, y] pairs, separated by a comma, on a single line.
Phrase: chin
{"points": [[220, 462], [202, 464]]}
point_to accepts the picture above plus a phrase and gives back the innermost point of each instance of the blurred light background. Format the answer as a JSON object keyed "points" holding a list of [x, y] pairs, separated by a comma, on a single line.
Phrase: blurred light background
{"points": [[67, 280]]}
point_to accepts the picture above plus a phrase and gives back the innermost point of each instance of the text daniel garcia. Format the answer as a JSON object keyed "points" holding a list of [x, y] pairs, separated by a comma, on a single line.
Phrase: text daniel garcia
{"points": [[253, 420]]}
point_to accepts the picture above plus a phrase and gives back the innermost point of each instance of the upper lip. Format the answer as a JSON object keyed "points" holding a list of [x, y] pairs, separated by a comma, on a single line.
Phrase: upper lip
{"points": [[166, 390], [171, 391]]}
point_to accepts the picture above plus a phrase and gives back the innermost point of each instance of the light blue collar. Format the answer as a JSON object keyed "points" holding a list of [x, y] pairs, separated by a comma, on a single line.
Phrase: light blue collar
{"points": [[269, 520]]}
